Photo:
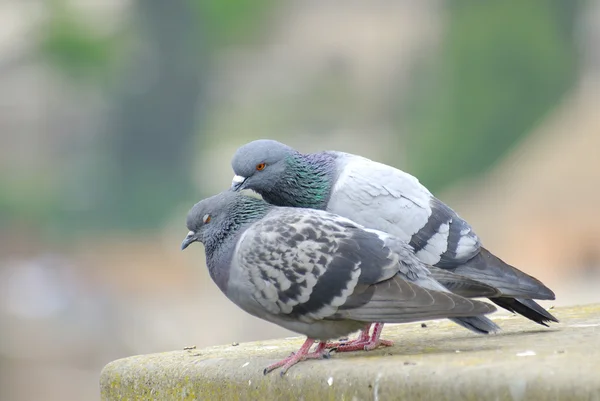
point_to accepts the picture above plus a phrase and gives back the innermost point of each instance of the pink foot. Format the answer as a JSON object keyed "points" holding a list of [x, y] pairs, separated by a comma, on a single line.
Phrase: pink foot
{"points": [[302, 354], [362, 338], [364, 342], [369, 345]]}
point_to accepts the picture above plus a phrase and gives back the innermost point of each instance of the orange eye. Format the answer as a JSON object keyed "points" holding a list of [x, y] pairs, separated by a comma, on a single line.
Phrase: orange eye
{"points": [[261, 166], [206, 218]]}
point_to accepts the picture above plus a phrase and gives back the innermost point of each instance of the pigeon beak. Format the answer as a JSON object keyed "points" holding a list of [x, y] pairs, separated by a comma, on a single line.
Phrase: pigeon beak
{"points": [[191, 237], [237, 182]]}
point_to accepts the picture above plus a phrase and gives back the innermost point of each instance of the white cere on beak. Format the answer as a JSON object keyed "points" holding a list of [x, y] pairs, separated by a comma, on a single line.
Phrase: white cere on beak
{"points": [[238, 179]]}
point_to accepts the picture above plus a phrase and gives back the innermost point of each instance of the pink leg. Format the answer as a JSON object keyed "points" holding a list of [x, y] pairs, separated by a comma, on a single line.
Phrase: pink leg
{"points": [[364, 342], [302, 354], [362, 338], [375, 341]]}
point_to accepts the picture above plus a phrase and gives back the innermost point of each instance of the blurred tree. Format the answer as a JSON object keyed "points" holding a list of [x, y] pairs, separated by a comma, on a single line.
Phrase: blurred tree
{"points": [[154, 116], [72, 46], [503, 66], [158, 110], [142, 164]]}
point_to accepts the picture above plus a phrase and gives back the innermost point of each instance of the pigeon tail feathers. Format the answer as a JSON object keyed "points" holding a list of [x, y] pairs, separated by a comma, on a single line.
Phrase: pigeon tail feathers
{"points": [[477, 324], [526, 307]]}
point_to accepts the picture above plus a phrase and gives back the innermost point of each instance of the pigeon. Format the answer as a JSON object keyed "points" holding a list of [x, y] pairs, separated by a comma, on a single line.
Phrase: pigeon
{"points": [[382, 197], [317, 273]]}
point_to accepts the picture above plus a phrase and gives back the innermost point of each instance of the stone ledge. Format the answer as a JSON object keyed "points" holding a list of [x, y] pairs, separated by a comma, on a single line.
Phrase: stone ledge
{"points": [[441, 361]]}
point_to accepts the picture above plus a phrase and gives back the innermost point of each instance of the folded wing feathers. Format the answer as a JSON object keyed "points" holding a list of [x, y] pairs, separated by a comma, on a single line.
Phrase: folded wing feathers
{"points": [[377, 195], [399, 301], [463, 286], [313, 265]]}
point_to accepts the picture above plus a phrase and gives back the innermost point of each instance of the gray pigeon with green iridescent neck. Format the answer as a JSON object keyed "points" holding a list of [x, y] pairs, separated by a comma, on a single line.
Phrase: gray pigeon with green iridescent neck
{"points": [[381, 197], [317, 273]]}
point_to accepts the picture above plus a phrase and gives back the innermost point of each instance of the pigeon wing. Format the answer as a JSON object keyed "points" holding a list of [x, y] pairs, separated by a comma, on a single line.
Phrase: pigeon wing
{"points": [[382, 197], [311, 265]]}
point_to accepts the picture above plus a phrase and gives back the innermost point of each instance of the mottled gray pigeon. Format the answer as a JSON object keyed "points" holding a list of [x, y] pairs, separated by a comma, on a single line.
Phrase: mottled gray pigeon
{"points": [[384, 198], [317, 273]]}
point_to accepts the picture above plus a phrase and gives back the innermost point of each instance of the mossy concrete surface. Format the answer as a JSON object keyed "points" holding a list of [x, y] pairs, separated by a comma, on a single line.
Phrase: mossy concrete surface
{"points": [[441, 361]]}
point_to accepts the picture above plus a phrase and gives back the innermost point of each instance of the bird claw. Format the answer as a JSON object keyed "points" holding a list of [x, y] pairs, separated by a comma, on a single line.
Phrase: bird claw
{"points": [[380, 343], [361, 345], [320, 353], [364, 342], [327, 353]]}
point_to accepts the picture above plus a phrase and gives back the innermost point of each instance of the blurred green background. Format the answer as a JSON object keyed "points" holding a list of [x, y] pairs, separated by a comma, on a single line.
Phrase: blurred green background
{"points": [[118, 115]]}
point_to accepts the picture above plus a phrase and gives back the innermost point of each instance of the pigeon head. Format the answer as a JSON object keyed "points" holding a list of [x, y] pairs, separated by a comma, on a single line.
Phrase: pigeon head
{"points": [[258, 165], [282, 175], [214, 219]]}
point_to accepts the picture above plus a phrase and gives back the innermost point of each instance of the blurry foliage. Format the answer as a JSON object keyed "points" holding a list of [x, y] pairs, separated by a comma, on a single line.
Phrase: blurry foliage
{"points": [[20, 201], [81, 53], [503, 66], [73, 47], [148, 150], [225, 22]]}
